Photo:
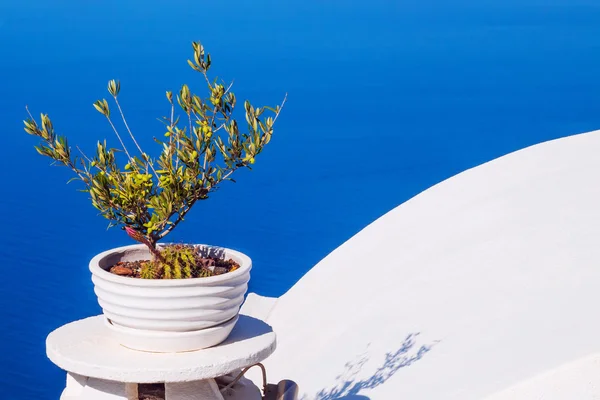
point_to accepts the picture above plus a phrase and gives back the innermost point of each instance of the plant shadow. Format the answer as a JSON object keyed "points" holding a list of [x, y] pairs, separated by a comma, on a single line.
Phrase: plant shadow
{"points": [[348, 386], [211, 251]]}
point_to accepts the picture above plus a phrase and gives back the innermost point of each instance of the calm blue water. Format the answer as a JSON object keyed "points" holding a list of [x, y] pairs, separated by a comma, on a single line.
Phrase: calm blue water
{"points": [[386, 98]]}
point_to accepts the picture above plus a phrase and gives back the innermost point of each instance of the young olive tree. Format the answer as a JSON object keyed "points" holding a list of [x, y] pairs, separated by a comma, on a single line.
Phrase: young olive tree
{"points": [[148, 196]]}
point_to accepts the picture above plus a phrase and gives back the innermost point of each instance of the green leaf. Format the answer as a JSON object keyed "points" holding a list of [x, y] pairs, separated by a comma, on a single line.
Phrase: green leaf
{"points": [[98, 106], [191, 64]]}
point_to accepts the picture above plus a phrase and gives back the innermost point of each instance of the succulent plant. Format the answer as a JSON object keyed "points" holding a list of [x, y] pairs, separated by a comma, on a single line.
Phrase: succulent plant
{"points": [[175, 261], [148, 196]]}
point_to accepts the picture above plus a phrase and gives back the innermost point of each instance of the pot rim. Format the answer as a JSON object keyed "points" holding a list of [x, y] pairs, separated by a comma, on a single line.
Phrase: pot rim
{"points": [[94, 267]]}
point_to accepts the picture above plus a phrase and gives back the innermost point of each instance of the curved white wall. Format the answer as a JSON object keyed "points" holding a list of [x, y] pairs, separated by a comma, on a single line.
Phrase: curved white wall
{"points": [[497, 268]]}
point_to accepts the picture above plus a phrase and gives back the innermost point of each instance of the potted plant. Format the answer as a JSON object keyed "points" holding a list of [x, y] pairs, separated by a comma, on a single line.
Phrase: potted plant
{"points": [[166, 297]]}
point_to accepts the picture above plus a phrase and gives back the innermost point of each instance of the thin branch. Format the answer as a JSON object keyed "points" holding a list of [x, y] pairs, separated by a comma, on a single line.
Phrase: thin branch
{"points": [[206, 77], [190, 120], [204, 166], [86, 158], [227, 175], [222, 110], [228, 88], [77, 171], [148, 163], [126, 125], [172, 113], [180, 216], [83, 154], [212, 122], [220, 126], [171, 138], [280, 108], [187, 208], [175, 154], [29, 113], [122, 144], [214, 115], [276, 115]]}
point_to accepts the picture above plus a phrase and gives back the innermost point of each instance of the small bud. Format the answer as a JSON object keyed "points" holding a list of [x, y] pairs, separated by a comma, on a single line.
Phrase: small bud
{"points": [[114, 87]]}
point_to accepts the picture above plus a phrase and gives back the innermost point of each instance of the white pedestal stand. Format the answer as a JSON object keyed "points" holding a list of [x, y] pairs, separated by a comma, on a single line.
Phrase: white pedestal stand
{"points": [[98, 368]]}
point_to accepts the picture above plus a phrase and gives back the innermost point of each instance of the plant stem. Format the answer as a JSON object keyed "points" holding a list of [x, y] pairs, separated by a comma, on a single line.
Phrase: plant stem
{"points": [[280, 107], [122, 144], [172, 113], [148, 163], [180, 216], [189, 114], [207, 80], [187, 208]]}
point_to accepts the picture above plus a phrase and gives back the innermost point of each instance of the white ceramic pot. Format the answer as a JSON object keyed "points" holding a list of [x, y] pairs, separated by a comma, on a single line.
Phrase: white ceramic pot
{"points": [[169, 315]]}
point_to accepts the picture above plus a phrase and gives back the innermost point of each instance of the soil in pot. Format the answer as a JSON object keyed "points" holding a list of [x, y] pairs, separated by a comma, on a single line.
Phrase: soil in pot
{"points": [[177, 261]]}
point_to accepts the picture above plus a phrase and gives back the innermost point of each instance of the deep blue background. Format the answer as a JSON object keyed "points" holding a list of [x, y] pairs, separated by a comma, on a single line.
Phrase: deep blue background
{"points": [[386, 98]]}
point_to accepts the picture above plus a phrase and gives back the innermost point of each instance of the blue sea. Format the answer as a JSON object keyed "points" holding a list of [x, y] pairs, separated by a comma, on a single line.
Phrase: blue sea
{"points": [[385, 99]]}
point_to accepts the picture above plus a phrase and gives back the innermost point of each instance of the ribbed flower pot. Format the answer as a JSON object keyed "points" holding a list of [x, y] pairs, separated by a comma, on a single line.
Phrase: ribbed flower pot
{"points": [[169, 315]]}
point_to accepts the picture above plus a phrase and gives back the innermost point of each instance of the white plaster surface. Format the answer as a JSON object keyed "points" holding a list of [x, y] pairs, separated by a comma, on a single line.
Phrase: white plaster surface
{"points": [[258, 306], [483, 283], [576, 380], [242, 389], [84, 388], [206, 389], [74, 387], [86, 348]]}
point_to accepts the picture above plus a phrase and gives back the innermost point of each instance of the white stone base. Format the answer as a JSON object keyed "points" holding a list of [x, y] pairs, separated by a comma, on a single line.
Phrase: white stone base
{"points": [[206, 389], [84, 388], [87, 348], [243, 389], [101, 369]]}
